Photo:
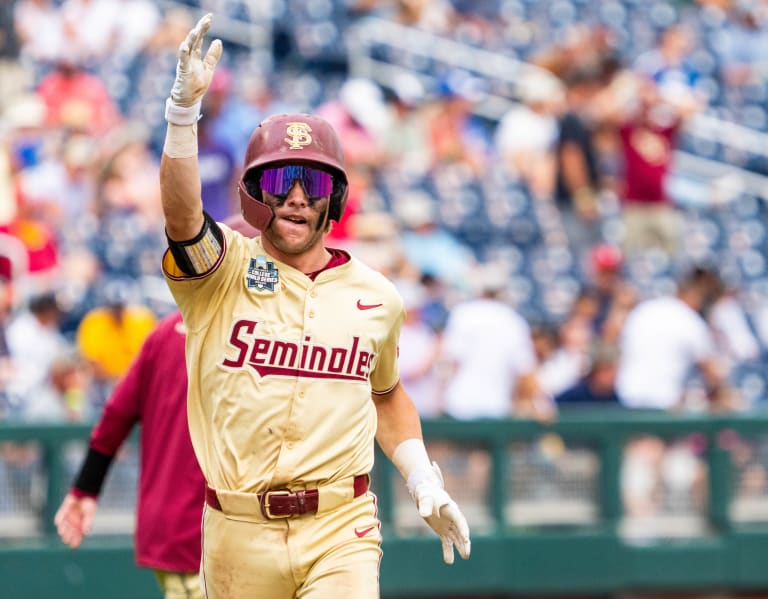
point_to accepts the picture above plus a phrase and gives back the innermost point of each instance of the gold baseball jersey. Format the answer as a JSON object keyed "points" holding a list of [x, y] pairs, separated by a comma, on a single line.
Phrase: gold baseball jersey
{"points": [[281, 368]]}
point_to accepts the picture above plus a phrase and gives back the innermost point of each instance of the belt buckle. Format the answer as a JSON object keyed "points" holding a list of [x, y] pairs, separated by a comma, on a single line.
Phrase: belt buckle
{"points": [[265, 506]]}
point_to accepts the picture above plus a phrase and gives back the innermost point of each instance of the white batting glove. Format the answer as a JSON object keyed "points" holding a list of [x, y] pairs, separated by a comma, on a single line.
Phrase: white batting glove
{"points": [[193, 75], [440, 511]]}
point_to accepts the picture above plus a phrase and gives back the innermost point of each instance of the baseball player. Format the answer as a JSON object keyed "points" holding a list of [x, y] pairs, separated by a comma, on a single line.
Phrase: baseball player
{"points": [[292, 364], [171, 486]]}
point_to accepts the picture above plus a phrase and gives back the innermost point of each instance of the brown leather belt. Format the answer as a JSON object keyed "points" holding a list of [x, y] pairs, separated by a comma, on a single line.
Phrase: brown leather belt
{"points": [[284, 503]]}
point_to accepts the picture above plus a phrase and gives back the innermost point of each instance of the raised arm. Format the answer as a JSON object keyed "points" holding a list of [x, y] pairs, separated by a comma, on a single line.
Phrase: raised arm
{"points": [[179, 174]]}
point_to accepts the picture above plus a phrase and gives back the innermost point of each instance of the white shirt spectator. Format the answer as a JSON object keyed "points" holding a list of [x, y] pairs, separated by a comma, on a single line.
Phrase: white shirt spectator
{"points": [[526, 136], [33, 348], [662, 340], [732, 330], [490, 345], [418, 350], [522, 129], [569, 362], [39, 26], [139, 20], [92, 29], [561, 370], [62, 188]]}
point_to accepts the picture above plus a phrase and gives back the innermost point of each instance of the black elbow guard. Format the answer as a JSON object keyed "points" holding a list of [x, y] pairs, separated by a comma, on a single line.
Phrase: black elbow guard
{"points": [[197, 256]]}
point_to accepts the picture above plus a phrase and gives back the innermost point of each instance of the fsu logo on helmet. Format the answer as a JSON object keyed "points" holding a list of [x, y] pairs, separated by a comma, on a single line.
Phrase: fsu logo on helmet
{"points": [[298, 135]]}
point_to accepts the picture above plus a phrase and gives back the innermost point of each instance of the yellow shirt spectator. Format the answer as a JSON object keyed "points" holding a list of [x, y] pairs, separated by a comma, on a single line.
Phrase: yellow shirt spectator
{"points": [[111, 336]]}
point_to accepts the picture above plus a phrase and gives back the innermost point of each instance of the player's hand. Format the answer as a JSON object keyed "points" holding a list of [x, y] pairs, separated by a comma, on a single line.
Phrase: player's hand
{"points": [[193, 71], [440, 511], [74, 519]]}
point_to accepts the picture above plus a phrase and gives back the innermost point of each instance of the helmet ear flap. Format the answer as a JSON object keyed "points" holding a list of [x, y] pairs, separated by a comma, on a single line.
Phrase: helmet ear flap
{"points": [[338, 197], [255, 212], [251, 182]]}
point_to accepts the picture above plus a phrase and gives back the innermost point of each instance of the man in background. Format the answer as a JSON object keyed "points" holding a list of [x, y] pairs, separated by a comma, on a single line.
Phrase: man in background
{"points": [[171, 491], [663, 339]]}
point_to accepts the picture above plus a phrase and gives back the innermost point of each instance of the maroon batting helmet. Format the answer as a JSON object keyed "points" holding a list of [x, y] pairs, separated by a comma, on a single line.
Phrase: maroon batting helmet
{"points": [[291, 139]]}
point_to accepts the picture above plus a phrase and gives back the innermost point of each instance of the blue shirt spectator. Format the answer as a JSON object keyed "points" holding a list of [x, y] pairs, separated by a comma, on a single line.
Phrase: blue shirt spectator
{"points": [[598, 386]]}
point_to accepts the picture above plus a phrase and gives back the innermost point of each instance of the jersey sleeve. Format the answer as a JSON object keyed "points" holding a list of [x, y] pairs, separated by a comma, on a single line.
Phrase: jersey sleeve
{"points": [[386, 373]]}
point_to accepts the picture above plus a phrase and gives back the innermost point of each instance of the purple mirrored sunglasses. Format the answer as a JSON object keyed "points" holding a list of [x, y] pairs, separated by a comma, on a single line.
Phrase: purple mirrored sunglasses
{"points": [[278, 181]]}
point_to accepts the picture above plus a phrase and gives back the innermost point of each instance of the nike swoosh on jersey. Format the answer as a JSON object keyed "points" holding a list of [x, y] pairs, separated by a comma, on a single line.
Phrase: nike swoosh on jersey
{"points": [[365, 531], [362, 306]]}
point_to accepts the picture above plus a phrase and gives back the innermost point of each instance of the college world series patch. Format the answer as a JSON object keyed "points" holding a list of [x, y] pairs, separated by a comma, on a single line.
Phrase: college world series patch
{"points": [[262, 275]]}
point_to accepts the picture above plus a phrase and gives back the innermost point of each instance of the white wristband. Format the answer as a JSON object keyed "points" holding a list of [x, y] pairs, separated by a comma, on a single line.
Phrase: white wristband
{"points": [[180, 141], [410, 455], [412, 461], [182, 115]]}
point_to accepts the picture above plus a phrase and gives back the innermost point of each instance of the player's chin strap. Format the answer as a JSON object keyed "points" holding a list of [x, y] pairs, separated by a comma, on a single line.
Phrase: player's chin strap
{"points": [[426, 485], [323, 223]]}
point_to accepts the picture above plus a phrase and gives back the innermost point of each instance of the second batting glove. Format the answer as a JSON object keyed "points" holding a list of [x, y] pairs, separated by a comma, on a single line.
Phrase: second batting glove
{"points": [[439, 511]]}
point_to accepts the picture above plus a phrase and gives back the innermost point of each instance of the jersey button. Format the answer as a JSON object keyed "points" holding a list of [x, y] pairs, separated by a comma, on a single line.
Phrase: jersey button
{"points": [[313, 293], [301, 393], [311, 315], [289, 445]]}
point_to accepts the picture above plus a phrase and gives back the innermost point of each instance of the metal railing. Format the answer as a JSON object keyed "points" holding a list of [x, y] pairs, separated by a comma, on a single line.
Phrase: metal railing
{"points": [[564, 493]]}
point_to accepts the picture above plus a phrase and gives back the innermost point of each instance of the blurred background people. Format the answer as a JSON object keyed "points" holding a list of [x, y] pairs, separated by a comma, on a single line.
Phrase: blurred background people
{"points": [[563, 352], [219, 172], [577, 175], [430, 247], [663, 339], [39, 27], [418, 353], [66, 395], [76, 98], [527, 134], [648, 132], [607, 286], [598, 386], [110, 335], [34, 344], [455, 136], [490, 365]]}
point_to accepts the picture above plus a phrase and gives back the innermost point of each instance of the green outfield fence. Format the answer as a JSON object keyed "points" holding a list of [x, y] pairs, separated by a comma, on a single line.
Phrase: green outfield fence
{"points": [[601, 502]]}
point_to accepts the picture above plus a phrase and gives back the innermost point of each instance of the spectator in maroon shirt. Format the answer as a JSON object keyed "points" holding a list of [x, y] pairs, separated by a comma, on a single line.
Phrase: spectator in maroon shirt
{"points": [[648, 136], [171, 487]]}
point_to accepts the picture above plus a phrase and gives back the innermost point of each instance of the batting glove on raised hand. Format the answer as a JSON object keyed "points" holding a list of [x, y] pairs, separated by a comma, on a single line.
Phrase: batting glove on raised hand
{"points": [[427, 488], [193, 73]]}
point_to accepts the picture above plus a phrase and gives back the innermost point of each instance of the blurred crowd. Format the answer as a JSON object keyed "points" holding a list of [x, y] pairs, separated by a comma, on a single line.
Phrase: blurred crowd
{"points": [[543, 256]]}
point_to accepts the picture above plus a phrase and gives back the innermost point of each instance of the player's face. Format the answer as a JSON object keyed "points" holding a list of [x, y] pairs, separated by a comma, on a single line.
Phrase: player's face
{"points": [[300, 221]]}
